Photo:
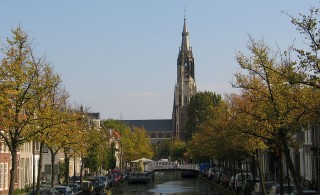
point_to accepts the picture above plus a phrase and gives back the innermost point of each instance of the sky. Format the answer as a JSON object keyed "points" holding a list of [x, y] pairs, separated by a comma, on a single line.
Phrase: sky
{"points": [[119, 57]]}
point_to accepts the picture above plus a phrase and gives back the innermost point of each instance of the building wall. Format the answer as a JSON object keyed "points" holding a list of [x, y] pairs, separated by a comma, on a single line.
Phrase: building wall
{"points": [[5, 165]]}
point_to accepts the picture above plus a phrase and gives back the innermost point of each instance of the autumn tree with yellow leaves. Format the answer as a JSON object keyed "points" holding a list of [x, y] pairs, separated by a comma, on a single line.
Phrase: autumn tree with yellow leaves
{"points": [[268, 107], [134, 142], [26, 83]]}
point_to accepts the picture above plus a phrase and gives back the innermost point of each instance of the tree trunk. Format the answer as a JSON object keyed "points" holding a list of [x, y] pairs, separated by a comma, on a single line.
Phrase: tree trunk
{"points": [[13, 169], [53, 173], [66, 162], [53, 154], [81, 171], [281, 173], [260, 172], [291, 168], [39, 167]]}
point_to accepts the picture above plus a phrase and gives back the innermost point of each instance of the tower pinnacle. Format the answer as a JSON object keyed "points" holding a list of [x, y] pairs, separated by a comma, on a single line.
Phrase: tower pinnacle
{"points": [[185, 43]]}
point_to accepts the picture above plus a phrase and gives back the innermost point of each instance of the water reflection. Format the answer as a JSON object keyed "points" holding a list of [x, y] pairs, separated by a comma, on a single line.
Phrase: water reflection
{"points": [[167, 184]]}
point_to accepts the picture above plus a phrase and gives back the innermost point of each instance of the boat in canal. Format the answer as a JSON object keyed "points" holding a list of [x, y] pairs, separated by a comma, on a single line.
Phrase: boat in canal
{"points": [[140, 177]]}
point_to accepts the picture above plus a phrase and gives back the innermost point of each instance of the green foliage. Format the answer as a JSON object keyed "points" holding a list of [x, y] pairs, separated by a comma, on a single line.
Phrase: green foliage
{"points": [[161, 149], [19, 191], [112, 159], [62, 169], [177, 149], [200, 110]]}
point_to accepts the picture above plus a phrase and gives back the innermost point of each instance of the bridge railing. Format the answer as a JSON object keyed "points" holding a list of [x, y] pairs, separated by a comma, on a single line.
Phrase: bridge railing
{"points": [[170, 165]]}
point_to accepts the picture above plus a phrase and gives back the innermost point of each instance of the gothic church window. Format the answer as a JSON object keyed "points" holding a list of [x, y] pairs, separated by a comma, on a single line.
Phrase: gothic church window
{"points": [[186, 71], [185, 100]]}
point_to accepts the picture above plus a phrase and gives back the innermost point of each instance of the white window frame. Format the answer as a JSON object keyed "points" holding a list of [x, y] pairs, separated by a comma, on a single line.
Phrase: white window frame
{"points": [[4, 168], [4, 148]]}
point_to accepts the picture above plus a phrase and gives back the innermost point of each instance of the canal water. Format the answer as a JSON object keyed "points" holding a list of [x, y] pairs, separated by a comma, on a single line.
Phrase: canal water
{"points": [[167, 183]]}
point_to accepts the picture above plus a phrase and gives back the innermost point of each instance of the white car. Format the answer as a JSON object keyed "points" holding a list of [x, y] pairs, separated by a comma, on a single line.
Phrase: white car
{"points": [[240, 178]]}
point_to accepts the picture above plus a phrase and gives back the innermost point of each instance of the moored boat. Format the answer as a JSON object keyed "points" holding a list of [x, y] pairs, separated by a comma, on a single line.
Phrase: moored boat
{"points": [[140, 177]]}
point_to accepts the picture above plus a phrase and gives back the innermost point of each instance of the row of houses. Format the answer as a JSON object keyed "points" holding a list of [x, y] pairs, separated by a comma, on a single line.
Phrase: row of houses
{"points": [[28, 162], [306, 160]]}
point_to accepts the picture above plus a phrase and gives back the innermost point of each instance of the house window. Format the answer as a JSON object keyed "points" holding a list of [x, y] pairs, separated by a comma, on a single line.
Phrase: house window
{"points": [[4, 148], [3, 176], [45, 149], [37, 146]]}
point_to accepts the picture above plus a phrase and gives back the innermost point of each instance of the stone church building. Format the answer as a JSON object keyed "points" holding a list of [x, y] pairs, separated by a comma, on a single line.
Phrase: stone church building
{"points": [[185, 88]]}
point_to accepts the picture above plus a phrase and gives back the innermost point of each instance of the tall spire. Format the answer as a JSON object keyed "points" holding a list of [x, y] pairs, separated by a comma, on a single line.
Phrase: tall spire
{"points": [[185, 44]]}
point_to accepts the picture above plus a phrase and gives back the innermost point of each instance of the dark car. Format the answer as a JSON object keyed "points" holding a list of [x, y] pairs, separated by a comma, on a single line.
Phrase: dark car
{"points": [[248, 186], [116, 178], [98, 185], [111, 181], [258, 188], [64, 190], [75, 178], [275, 189], [104, 179], [311, 192], [119, 174], [76, 188], [87, 187], [45, 191]]}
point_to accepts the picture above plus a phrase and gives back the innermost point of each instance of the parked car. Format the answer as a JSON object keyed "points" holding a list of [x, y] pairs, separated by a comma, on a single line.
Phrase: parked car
{"points": [[225, 179], [98, 185], [104, 179], [240, 178], [111, 181], [45, 191], [76, 188], [248, 186], [87, 187], [125, 175], [275, 189], [119, 174], [64, 190], [257, 189], [311, 192], [219, 175], [210, 173], [231, 183], [116, 178], [75, 178]]}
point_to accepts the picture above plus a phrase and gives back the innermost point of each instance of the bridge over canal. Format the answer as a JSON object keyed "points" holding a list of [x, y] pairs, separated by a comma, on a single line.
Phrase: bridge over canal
{"points": [[186, 170], [159, 170]]}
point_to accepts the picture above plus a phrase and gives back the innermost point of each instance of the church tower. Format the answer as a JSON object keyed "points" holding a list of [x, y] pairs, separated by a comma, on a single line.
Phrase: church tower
{"points": [[185, 87]]}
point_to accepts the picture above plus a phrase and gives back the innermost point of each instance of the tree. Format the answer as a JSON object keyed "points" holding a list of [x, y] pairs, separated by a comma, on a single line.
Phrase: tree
{"points": [[268, 106], [134, 144], [161, 149], [177, 149], [25, 83], [52, 116], [123, 130], [308, 67], [200, 110], [142, 145]]}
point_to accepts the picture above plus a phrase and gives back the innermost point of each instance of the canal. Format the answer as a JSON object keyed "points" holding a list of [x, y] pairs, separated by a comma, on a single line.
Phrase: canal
{"points": [[168, 183]]}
